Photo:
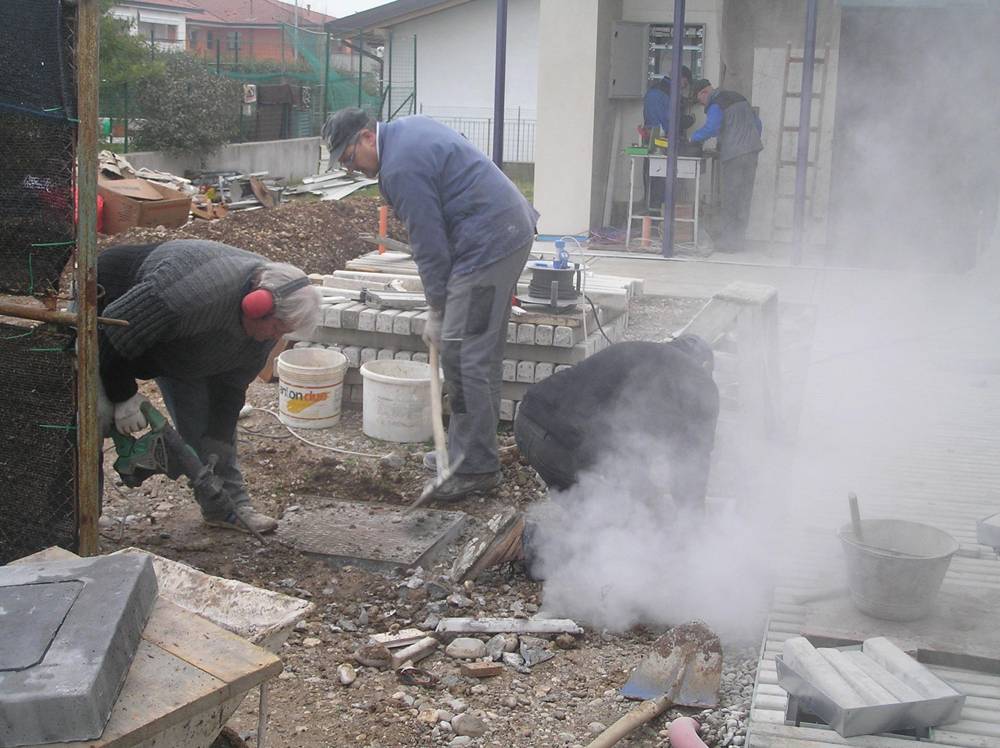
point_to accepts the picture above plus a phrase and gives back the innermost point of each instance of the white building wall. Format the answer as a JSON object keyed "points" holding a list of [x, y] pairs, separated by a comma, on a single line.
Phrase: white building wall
{"points": [[165, 18], [456, 58], [567, 102]]}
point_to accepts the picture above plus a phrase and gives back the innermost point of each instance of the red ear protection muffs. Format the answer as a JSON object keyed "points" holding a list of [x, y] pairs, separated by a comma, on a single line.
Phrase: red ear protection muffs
{"points": [[260, 302]]}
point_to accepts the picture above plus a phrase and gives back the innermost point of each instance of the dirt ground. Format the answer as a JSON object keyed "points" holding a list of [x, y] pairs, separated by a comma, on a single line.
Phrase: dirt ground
{"points": [[563, 701]]}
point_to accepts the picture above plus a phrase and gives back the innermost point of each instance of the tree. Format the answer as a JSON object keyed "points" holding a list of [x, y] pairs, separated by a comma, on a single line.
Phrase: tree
{"points": [[186, 108], [124, 57]]}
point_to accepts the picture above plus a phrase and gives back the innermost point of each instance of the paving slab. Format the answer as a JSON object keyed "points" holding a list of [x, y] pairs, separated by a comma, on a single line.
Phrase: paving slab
{"points": [[79, 622], [373, 536]]}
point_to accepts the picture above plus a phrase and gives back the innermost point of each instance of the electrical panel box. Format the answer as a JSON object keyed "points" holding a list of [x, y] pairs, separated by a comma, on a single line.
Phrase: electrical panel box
{"points": [[629, 52]]}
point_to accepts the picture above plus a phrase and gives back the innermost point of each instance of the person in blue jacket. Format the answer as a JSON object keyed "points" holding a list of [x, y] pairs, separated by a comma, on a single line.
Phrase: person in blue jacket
{"points": [[731, 120], [656, 116], [470, 230]]}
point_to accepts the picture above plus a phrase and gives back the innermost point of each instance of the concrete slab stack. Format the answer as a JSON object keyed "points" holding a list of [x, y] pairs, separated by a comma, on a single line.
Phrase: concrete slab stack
{"points": [[537, 344]]}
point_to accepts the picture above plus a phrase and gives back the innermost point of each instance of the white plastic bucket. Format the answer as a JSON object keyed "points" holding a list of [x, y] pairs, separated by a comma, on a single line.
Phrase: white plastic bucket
{"points": [[310, 387], [397, 400]]}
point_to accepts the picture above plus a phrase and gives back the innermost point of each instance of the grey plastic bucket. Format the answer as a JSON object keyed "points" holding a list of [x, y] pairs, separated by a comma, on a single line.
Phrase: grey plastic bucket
{"points": [[897, 571]]}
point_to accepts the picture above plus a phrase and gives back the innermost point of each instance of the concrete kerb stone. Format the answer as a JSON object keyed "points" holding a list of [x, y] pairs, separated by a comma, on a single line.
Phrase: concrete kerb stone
{"points": [[69, 694]]}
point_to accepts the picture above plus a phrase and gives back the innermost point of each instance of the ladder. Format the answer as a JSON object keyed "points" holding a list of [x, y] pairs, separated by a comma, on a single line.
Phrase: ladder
{"points": [[784, 174]]}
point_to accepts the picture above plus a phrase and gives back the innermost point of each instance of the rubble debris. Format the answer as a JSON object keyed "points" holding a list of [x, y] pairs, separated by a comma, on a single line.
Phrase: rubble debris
{"points": [[346, 674], [481, 669], [466, 648], [508, 626], [414, 652], [401, 638], [374, 655]]}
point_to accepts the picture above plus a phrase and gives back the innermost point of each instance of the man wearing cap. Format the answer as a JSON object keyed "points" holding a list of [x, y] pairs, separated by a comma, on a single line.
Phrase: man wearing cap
{"points": [[730, 118], [470, 230]]}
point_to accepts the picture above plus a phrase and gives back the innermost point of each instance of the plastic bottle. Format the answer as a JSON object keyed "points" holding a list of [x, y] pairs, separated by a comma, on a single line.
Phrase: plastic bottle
{"points": [[562, 255]]}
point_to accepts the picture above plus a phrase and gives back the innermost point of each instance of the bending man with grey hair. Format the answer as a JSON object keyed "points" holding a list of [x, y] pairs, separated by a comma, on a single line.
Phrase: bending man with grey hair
{"points": [[471, 231], [196, 327]]}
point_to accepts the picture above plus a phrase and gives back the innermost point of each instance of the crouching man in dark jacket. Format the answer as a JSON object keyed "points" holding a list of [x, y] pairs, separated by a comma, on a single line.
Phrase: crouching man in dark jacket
{"points": [[633, 417], [661, 395], [203, 317], [470, 230]]}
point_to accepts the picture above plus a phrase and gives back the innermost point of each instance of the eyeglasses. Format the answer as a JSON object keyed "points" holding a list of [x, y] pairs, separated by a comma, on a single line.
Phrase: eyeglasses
{"points": [[353, 145]]}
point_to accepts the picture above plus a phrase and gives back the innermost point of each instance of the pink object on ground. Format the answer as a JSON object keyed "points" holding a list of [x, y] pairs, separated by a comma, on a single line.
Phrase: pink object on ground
{"points": [[684, 734]]}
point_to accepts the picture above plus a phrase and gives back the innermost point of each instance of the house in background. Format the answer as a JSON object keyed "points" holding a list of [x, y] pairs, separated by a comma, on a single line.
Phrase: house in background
{"points": [[164, 22], [252, 30], [439, 59]]}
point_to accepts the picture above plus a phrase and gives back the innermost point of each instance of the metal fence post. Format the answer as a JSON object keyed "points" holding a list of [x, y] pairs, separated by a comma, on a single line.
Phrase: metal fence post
{"points": [[361, 63], [125, 112], [87, 434], [218, 56], [500, 83], [326, 82], [673, 138], [415, 74]]}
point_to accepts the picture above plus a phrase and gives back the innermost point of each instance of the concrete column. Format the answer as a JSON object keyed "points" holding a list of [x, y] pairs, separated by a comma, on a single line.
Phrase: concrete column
{"points": [[572, 109]]}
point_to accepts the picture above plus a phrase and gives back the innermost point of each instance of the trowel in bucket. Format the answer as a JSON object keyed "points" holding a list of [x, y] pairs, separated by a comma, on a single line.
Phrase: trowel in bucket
{"points": [[444, 469], [684, 669]]}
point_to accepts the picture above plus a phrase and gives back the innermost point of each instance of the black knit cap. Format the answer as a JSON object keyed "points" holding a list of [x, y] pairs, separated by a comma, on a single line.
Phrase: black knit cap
{"points": [[699, 85], [341, 127]]}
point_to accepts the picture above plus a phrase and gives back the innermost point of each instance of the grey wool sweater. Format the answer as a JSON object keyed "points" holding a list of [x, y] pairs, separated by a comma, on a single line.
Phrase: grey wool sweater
{"points": [[182, 302]]}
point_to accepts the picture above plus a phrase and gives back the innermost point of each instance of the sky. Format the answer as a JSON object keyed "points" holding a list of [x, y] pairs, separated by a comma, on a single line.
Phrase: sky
{"points": [[339, 8]]}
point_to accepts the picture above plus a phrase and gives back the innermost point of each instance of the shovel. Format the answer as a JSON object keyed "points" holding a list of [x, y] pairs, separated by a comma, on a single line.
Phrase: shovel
{"points": [[440, 443], [684, 669]]}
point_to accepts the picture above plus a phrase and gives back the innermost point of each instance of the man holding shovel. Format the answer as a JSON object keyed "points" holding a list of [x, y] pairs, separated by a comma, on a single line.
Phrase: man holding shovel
{"points": [[470, 230]]}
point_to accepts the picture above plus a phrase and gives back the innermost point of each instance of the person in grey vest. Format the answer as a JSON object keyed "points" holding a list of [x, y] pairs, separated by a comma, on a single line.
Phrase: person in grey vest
{"points": [[730, 119], [470, 230], [202, 319]]}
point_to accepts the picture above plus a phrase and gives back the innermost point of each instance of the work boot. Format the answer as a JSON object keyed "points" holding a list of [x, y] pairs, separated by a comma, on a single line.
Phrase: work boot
{"points": [[244, 518], [460, 485]]}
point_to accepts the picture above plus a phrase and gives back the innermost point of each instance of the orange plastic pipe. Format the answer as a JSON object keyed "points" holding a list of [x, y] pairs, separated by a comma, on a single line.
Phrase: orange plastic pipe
{"points": [[383, 225]]}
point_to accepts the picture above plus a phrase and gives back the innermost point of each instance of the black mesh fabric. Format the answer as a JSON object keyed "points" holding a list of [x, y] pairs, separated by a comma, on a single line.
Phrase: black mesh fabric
{"points": [[36, 202], [35, 57], [37, 144], [37, 441]]}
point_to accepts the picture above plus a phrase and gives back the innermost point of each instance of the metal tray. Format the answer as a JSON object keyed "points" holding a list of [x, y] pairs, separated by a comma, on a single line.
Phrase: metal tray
{"points": [[869, 720]]}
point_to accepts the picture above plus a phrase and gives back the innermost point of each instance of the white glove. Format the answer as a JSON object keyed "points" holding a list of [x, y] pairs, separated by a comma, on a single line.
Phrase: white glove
{"points": [[432, 329], [128, 416]]}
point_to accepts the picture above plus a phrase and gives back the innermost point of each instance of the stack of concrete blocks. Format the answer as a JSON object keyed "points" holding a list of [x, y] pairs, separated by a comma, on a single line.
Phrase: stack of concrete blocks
{"points": [[537, 345]]}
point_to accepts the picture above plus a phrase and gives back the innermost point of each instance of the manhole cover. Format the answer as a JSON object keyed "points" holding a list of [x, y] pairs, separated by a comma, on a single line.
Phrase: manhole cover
{"points": [[375, 536]]}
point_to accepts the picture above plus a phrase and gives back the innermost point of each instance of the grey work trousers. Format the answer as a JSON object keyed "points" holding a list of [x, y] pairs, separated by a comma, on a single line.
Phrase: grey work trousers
{"points": [[473, 334], [738, 176], [189, 405]]}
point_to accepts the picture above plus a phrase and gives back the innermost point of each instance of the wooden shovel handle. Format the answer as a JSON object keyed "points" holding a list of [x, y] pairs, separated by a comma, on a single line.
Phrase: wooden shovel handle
{"points": [[639, 716], [437, 415]]}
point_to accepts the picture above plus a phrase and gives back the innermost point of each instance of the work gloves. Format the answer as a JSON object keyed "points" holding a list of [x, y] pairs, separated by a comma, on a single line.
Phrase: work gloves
{"points": [[129, 417], [432, 329]]}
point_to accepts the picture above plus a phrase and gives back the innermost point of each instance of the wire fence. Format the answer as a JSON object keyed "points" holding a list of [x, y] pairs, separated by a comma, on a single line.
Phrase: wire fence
{"points": [[518, 136], [288, 86]]}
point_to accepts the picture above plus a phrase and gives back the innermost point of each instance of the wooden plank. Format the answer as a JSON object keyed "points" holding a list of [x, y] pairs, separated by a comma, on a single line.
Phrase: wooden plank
{"points": [[209, 648]]}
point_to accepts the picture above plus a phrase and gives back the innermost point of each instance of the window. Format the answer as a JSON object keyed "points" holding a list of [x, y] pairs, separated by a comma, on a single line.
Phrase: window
{"points": [[193, 39], [210, 39], [661, 48], [233, 40]]}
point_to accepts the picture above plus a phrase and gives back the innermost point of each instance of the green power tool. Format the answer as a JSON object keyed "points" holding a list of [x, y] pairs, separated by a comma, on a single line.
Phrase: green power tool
{"points": [[162, 451]]}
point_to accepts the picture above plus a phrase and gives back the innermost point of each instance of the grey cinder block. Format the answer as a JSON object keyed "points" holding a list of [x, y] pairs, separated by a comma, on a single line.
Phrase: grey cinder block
{"points": [[387, 354], [421, 357], [526, 371], [509, 370], [506, 410], [512, 332], [543, 334], [562, 367], [368, 354], [353, 355], [526, 334], [366, 320], [403, 355], [349, 316], [383, 322], [543, 371], [562, 337]]}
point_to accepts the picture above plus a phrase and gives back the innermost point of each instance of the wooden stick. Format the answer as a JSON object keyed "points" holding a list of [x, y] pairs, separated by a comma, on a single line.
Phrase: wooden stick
{"points": [[415, 652], [646, 711], [437, 414], [852, 499]]}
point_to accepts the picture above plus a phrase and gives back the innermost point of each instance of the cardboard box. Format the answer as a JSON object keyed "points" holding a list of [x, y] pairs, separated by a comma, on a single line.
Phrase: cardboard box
{"points": [[137, 202]]}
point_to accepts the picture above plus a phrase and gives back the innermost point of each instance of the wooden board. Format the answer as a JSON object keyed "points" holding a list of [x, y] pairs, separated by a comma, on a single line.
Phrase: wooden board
{"points": [[374, 536]]}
